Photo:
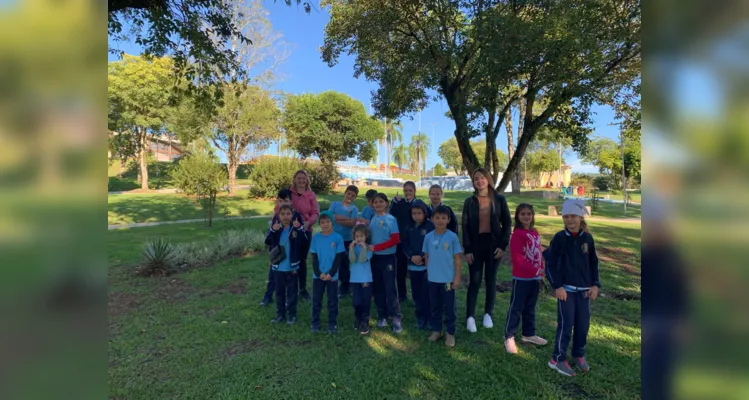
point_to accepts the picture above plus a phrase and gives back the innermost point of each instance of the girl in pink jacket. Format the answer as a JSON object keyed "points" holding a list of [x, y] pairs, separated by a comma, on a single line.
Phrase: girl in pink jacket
{"points": [[527, 272], [304, 201]]}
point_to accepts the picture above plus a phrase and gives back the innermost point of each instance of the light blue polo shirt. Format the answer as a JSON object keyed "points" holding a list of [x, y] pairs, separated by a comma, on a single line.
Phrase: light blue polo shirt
{"points": [[441, 249], [381, 227], [350, 211]]}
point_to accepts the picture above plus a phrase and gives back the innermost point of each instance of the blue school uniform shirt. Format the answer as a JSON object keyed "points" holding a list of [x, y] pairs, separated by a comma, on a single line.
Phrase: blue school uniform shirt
{"points": [[326, 247], [381, 227], [367, 213], [361, 272], [441, 249], [350, 211], [285, 265]]}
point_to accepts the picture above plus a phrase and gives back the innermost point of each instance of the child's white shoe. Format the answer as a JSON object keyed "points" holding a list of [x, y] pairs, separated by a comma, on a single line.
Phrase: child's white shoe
{"points": [[535, 340], [488, 321], [510, 345], [471, 325]]}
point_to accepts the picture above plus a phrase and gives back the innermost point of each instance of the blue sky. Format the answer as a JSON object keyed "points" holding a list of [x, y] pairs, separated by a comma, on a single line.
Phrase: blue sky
{"points": [[304, 71]]}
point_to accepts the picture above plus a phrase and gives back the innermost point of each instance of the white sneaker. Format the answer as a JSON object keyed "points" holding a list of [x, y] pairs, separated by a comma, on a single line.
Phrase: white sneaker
{"points": [[471, 325], [488, 321]]}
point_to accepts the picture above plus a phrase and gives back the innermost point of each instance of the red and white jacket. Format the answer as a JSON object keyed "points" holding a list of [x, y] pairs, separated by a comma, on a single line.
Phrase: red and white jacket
{"points": [[525, 249]]}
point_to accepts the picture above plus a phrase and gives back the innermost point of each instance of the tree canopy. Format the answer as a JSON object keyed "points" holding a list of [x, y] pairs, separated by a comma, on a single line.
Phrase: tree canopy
{"points": [[482, 56], [332, 126], [450, 154], [606, 154]]}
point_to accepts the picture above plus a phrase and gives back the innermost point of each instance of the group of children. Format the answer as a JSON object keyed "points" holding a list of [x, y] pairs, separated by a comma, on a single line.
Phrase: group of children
{"points": [[364, 255]]}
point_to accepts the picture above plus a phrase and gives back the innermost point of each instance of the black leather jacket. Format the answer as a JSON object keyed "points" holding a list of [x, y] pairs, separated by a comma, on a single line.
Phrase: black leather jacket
{"points": [[501, 223]]}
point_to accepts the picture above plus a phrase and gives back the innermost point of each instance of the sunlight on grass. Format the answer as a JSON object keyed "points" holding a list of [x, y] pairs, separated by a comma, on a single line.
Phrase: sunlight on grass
{"points": [[459, 356], [700, 383], [427, 373], [387, 341]]}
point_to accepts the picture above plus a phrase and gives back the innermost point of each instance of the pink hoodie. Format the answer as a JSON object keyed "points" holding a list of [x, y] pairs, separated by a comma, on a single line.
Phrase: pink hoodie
{"points": [[306, 205], [525, 248]]}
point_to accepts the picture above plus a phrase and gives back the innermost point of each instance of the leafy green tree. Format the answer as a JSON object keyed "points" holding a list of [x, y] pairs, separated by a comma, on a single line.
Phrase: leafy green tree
{"points": [[606, 154], [479, 147], [439, 170], [201, 174], [418, 149], [400, 155], [450, 155], [138, 95], [330, 125], [474, 53]]}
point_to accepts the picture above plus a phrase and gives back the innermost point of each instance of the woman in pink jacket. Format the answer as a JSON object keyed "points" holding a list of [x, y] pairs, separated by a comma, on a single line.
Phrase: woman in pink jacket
{"points": [[304, 201]]}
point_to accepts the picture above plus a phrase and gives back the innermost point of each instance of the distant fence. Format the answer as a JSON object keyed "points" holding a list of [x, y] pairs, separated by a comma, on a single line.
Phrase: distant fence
{"points": [[462, 183]]}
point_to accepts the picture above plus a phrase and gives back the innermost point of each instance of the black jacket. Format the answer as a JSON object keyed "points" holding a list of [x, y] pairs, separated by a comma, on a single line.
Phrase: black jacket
{"points": [[401, 210], [453, 224], [501, 223], [412, 238], [572, 260], [297, 239]]}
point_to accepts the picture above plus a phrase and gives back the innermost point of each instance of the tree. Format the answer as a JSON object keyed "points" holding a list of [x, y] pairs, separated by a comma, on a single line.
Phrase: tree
{"points": [[193, 32], [393, 133], [439, 170], [200, 173], [474, 52], [479, 147], [400, 155], [606, 154], [419, 148], [332, 126], [138, 95], [450, 155], [250, 118]]}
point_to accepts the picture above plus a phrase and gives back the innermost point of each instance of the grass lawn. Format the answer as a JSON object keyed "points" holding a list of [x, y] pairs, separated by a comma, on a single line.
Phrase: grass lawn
{"points": [[203, 335], [130, 208]]}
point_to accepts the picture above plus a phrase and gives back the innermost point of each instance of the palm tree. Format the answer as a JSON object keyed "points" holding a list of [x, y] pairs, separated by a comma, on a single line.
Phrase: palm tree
{"points": [[420, 149], [393, 133], [400, 155]]}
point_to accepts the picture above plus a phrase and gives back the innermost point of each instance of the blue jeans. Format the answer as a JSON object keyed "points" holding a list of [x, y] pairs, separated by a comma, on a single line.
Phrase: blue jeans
{"points": [[572, 313], [442, 302], [320, 287]]}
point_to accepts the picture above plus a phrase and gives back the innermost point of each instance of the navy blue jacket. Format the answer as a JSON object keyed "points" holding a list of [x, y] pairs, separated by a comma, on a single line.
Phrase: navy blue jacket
{"points": [[297, 238], [401, 210], [413, 239], [572, 260], [453, 224], [295, 217]]}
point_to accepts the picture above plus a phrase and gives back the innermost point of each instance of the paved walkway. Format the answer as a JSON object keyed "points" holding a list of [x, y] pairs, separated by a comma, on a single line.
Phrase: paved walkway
{"points": [[187, 221], [169, 191]]}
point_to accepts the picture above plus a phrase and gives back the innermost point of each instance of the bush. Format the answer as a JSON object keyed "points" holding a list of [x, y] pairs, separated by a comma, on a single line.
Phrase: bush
{"points": [[158, 258], [439, 170], [582, 179], [229, 244], [322, 177], [603, 182], [202, 175], [270, 176]]}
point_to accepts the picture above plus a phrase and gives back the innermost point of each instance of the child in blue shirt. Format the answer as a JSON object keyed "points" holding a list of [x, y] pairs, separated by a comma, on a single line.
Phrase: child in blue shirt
{"points": [[292, 237], [368, 211], [361, 277], [344, 214], [443, 260], [385, 239], [413, 241], [283, 198], [327, 253], [435, 200]]}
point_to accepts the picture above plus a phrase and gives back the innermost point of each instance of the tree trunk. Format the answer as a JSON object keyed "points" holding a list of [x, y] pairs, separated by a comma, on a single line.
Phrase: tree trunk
{"points": [[511, 148], [231, 167], [529, 130], [143, 158], [454, 101]]}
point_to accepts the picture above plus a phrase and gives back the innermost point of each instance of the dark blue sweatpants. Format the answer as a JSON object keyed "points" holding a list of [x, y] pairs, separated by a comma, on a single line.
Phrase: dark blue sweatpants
{"points": [[572, 314], [320, 287], [287, 284], [362, 299], [270, 287], [344, 272], [442, 301], [420, 293], [522, 304], [383, 280]]}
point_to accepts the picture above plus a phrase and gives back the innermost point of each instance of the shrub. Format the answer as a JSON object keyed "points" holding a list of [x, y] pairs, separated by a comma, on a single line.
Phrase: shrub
{"points": [[439, 170], [202, 175], [322, 177], [158, 258], [582, 179], [603, 182], [270, 176], [229, 244]]}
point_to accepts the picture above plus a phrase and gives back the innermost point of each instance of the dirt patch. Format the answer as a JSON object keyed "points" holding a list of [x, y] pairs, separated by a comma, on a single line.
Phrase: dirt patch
{"points": [[626, 259], [119, 304], [504, 286], [244, 347]]}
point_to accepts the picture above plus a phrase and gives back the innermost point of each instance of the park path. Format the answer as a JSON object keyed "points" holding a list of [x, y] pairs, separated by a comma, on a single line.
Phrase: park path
{"points": [[167, 191], [187, 221]]}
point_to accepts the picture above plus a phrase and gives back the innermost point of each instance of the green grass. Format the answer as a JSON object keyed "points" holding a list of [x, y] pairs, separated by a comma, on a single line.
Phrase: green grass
{"points": [[131, 208], [202, 335]]}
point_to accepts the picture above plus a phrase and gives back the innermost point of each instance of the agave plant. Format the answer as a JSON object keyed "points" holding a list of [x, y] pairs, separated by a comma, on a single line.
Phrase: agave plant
{"points": [[158, 258]]}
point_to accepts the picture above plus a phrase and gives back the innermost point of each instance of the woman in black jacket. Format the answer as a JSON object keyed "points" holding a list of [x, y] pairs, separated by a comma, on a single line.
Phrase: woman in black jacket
{"points": [[486, 234]]}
